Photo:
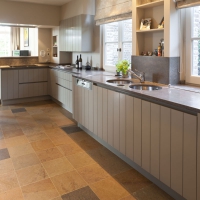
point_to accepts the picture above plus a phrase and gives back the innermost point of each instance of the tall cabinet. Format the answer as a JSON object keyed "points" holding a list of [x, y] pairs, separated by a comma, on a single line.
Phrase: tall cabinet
{"points": [[148, 40]]}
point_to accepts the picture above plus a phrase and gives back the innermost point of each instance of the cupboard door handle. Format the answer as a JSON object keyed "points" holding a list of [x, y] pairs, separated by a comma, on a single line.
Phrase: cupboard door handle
{"points": [[119, 49]]}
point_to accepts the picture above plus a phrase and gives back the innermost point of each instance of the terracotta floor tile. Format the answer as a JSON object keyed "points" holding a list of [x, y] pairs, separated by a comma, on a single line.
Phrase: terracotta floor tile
{"points": [[16, 141], [83, 193], [49, 154], [71, 129], [79, 136], [68, 182], [3, 144], [10, 127], [80, 159], [92, 173], [32, 129], [132, 180], [130, 197], [31, 174], [61, 140], [58, 166], [64, 122], [25, 161], [49, 125], [151, 192], [20, 150], [42, 144], [109, 189], [69, 149], [14, 194], [42, 190], [56, 132], [1, 135], [6, 166], [36, 136], [8, 181], [13, 133], [58, 198]]}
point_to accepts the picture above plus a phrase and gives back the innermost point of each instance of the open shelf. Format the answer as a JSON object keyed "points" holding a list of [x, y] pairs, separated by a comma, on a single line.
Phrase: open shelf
{"points": [[150, 30], [151, 4]]}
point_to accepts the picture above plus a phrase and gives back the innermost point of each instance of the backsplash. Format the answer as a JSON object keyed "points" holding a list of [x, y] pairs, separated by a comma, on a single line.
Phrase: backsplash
{"points": [[19, 61], [164, 70]]}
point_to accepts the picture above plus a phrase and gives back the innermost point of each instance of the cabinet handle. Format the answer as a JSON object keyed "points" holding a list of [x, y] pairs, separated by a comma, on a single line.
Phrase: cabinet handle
{"points": [[119, 49]]}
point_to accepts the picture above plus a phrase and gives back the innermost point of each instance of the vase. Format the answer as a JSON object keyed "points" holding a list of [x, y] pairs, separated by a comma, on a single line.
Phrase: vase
{"points": [[125, 75]]}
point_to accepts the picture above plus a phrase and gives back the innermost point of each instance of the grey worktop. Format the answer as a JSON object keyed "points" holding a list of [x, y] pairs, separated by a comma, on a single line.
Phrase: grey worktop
{"points": [[180, 97]]}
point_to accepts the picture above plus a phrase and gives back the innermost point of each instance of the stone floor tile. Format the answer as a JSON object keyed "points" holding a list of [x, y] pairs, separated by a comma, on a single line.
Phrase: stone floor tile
{"points": [[83, 193], [151, 192], [109, 189], [3, 144], [4, 154], [13, 133], [93, 173], [58, 166], [42, 144], [80, 159], [32, 129], [10, 127], [14, 194], [71, 129], [69, 149], [8, 181], [42, 190], [6, 166], [49, 154], [16, 141], [25, 161], [31, 174], [132, 180], [32, 137], [20, 150], [68, 182], [17, 110]]}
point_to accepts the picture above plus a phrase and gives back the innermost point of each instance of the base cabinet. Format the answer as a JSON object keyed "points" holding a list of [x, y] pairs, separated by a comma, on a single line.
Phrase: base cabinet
{"points": [[161, 140], [60, 87]]}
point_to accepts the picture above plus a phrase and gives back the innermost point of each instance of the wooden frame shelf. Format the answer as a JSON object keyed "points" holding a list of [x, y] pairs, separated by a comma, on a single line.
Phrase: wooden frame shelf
{"points": [[151, 4], [150, 30]]}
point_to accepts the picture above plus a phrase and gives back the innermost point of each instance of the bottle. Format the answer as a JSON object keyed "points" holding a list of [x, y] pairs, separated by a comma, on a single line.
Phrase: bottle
{"points": [[159, 50], [80, 62], [77, 65]]}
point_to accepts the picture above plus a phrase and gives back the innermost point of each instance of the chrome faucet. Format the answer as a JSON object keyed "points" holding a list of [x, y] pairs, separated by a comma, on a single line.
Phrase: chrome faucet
{"points": [[141, 75]]}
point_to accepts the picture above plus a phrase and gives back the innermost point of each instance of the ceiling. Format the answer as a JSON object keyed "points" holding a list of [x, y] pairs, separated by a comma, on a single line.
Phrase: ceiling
{"points": [[48, 2]]}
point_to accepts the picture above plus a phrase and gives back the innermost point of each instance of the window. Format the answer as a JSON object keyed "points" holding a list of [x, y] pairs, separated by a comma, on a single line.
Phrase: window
{"points": [[193, 45], [5, 48], [117, 43]]}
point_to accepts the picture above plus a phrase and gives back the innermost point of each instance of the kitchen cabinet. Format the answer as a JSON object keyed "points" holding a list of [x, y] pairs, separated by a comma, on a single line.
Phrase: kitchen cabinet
{"points": [[76, 34], [9, 84], [162, 141], [60, 85]]}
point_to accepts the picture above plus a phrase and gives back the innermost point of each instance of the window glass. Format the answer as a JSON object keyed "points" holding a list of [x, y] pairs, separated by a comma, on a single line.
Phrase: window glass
{"points": [[196, 41], [117, 43], [5, 49]]}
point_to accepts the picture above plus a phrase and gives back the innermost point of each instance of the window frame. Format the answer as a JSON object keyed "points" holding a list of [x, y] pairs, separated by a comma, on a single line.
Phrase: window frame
{"points": [[120, 45], [190, 78]]}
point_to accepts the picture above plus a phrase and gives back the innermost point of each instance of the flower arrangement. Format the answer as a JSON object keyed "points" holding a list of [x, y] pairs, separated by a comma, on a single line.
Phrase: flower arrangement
{"points": [[122, 66]]}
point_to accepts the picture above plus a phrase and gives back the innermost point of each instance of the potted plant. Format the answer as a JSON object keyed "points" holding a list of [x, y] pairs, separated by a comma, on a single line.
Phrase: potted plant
{"points": [[123, 66]]}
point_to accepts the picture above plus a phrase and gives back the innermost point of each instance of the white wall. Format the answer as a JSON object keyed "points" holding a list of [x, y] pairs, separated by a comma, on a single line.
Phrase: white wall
{"points": [[33, 41], [44, 42], [29, 13]]}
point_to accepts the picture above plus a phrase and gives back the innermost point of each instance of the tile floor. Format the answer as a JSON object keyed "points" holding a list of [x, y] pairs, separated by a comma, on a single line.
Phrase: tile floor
{"points": [[45, 156]]}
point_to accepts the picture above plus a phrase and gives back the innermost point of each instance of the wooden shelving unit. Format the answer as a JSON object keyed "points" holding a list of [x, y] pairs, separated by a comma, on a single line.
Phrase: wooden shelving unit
{"points": [[148, 40]]}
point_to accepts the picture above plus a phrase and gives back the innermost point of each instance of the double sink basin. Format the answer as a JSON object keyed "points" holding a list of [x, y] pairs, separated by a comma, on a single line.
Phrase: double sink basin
{"points": [[136, 86]]}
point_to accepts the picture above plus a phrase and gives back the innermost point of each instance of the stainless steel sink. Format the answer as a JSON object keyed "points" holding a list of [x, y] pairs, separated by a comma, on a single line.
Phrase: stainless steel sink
{"points": [[145, 87], [120, 82]]}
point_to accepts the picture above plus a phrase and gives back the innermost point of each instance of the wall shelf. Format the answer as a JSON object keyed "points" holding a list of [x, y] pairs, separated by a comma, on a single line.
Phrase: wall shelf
{"points": [[151, 4], [151, 30]]}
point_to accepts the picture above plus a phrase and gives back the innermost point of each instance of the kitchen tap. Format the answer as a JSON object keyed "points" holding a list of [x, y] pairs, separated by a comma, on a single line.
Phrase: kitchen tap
{"points": [[141, 75]]}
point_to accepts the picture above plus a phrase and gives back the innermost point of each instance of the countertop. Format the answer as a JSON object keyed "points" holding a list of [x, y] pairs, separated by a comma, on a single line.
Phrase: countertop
{"points": [[180, 97]]}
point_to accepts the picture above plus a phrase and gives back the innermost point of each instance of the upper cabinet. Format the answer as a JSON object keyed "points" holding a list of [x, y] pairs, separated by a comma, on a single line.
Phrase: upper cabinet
{"points": [[76, 34], [148, 40]]}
